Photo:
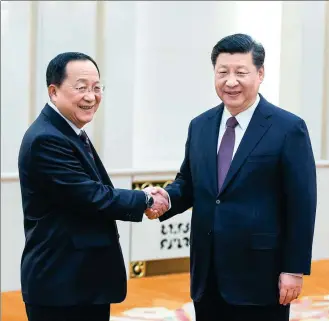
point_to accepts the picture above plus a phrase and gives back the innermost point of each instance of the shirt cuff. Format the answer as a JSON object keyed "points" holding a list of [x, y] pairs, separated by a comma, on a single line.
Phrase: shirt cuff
{"points": [[169, 202], [294, 274]]}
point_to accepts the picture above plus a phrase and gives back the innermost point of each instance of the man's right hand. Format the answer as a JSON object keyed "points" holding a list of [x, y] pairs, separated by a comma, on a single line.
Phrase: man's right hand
{"points": [[161, 202]]}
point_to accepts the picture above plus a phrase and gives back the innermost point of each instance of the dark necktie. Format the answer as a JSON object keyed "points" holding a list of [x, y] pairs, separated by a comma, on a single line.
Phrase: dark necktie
{"points": [[83, 136], [225, 151]]}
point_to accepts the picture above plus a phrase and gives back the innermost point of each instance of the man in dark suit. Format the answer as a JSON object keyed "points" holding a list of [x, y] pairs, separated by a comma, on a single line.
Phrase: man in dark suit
{"points": [[72, 266], [249, 174]]}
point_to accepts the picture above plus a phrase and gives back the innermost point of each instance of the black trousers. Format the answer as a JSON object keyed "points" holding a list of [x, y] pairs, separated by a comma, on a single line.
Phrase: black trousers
{"points": [[212, 307], [75, 313]]}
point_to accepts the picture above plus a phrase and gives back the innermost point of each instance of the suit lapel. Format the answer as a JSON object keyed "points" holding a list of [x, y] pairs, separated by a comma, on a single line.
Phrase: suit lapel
{"points": [[60, 123], [258, 126], [210, 133]]}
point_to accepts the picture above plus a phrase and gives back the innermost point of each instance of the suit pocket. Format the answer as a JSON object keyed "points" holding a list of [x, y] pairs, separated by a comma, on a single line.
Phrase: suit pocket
{"points": [[264, 241], [264, 256], [262, 158]]}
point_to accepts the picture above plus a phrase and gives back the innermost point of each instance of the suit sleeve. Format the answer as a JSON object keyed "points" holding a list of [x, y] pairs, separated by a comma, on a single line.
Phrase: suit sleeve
{"points": [[58, 171], [181, 190], [299, 184]]}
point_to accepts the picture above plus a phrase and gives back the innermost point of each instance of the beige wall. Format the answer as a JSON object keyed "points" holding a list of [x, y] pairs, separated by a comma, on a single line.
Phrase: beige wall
{"points": [[304, 67], [325, 119]]}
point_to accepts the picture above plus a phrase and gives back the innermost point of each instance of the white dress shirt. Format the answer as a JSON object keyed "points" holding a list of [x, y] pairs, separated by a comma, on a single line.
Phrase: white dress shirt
{"points": [[75, 128]]}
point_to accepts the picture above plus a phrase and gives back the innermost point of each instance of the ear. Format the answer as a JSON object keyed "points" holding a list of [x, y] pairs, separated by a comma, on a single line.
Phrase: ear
{"points": [[52, 92], [261, 73]]}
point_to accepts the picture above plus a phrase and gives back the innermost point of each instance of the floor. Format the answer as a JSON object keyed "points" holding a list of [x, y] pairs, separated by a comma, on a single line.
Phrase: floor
{"points": [[167, 298]]}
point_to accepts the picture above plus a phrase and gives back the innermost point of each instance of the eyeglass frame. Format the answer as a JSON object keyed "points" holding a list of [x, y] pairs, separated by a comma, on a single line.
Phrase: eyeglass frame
{"points": [[86, 89]]}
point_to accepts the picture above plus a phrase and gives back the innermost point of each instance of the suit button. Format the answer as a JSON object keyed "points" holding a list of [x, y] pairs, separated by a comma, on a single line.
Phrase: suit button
{"points": [[210, 232], [217, 201]]}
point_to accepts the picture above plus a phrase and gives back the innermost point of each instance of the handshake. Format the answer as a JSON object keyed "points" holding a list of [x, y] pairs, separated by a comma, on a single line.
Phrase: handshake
{"points": [[161, 202]]}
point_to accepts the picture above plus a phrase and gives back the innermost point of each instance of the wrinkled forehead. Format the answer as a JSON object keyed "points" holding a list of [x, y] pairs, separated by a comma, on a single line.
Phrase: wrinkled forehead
{"points": [[82, 71]]}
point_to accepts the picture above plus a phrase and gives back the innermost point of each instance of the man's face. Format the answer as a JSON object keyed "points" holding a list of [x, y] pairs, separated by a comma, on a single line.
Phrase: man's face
{"points": [[237, 80], [80, 94]]}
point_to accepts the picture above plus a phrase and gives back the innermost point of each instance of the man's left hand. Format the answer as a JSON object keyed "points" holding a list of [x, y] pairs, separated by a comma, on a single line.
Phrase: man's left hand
{"points": [[290, 287]]}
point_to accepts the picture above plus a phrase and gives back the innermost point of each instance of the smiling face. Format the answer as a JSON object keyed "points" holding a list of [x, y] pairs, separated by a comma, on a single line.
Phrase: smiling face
{"points": [[79, 95], [237, 80]]}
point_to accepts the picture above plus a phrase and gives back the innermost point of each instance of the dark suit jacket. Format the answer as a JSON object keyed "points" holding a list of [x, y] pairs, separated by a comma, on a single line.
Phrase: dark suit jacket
{"points": [[72, 254], [261, 222]]}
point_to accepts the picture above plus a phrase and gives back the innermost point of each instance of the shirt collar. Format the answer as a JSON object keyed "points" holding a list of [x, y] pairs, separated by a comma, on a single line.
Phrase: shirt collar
{"points": [[75, 128], [244, 117]]}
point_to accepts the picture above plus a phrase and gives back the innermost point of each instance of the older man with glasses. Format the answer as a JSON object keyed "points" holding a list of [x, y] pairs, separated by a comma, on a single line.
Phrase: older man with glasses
{"points": [[72, 265]]}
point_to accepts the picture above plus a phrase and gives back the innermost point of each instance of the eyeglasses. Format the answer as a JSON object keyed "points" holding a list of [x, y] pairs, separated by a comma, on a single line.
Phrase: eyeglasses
{"points": [[97, 90]]}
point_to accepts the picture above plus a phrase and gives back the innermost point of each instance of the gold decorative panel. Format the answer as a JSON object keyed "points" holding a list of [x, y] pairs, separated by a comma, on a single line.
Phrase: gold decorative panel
{"points": [[159, 267], [141, 185], [137, 269]]}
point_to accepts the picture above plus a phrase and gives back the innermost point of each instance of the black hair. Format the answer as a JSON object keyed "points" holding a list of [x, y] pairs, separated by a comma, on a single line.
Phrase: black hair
{"points": [[56, 70], [239, 43]]}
